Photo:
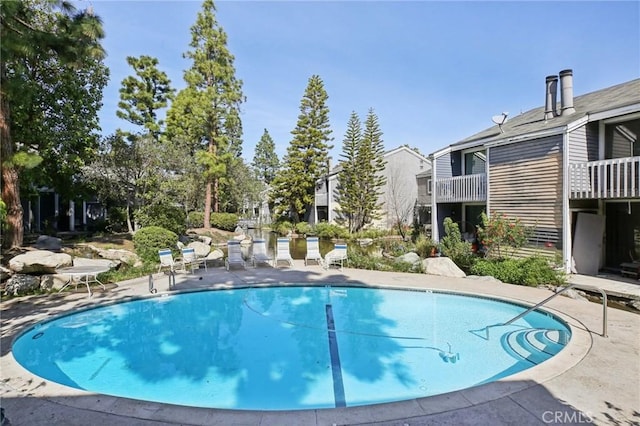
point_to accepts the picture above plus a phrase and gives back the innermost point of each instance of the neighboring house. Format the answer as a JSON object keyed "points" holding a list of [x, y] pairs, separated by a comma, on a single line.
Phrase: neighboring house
{"points": [[399, 196], [571, 171], [49, 212]]}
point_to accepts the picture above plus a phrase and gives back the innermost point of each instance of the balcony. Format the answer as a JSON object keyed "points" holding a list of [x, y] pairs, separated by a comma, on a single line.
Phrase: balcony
{"points": [[462, 189], [614, 178]]}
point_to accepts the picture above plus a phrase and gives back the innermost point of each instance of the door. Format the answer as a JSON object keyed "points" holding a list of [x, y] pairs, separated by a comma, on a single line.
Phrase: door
{"points": [[587, 244]]}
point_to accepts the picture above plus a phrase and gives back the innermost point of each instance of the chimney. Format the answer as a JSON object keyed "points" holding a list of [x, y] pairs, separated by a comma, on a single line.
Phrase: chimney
{"points": [[551, 94], [566, 92]]}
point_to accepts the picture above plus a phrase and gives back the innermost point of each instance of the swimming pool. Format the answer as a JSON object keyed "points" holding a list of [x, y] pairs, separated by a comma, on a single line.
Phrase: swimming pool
{"points": [[289, 348]]}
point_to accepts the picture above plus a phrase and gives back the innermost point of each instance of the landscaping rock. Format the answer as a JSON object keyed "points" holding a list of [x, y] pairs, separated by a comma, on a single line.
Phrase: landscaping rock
{"points": [[39, 262], [83, 261], [205, 239], [216, 254], [410, 257], [5, 273], [201, 249], [442, 266], [53, 282], [123, 256], [20, 284], [45, 242]]}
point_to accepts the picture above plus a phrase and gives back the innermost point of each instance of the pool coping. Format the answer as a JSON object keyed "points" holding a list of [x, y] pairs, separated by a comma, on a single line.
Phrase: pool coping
{"points": [[17, 382]]}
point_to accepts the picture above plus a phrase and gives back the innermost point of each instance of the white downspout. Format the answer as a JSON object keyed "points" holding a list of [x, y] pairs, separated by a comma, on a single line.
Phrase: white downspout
{"points": [[434, 204], [488, 173], [566, 214]]}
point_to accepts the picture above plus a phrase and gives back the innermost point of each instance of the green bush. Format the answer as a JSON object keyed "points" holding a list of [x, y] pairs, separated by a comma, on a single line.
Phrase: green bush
{"points": [[147, 241], [224, 221], [283, 227], [452, 246], [372, 233], [172, 218], [329, 230], [303, 228], [424, 246], [195, 220], [531, 271]]}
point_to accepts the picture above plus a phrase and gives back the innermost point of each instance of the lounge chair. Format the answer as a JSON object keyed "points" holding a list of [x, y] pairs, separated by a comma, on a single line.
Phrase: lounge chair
{"points": [[282, 252], [313, 251], [337, 256], [189, 258], [259, 254], [234, 255], [166, 260]]}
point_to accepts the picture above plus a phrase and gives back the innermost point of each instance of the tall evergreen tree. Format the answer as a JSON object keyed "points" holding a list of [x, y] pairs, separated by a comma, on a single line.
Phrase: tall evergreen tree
{"points": [[207, 111], [51, 80], [307, 156], [372, 164], [348, 188], [141, 96], [265, 159]]}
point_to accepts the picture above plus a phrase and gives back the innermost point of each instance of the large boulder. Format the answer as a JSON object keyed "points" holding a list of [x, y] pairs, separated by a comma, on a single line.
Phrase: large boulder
{"points": [[45, 242], [216, 254], [83, 261], [410, 257], [442, 266], [120, 255], [39, 262], [21, 284], [201, 249]]}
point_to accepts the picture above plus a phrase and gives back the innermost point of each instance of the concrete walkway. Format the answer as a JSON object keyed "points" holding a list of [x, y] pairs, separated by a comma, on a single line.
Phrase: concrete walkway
{"points": [[595, 379]]}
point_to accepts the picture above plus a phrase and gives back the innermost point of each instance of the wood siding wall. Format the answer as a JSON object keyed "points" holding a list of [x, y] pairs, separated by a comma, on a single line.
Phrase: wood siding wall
{"points": [[526, 182], [583, 143], [443, 167]]}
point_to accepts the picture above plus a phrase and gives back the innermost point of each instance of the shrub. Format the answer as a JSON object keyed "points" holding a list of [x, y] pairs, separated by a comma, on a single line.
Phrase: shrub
{"points": [[147, 241], [283, 227], [502, 236], [372, 233], [224, 221], [303, 228], [531, 271], [172, 218], [329, 230], [195, 220], [452, 245], [424, 246]]}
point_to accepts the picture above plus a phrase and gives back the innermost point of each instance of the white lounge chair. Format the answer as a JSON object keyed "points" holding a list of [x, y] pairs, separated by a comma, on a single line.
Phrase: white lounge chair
{"points": [[337, 256], [313, 251], [259, 254], [189, 258], [166, 260], [234, 255], [282, 252]]}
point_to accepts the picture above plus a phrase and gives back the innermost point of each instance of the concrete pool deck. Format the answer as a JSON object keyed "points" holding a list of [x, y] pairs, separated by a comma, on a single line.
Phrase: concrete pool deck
{"points": [[595, 379]]}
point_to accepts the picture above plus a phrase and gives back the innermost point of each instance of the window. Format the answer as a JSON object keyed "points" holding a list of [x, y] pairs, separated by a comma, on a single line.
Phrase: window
{"points": [[475, 162], [428, 186]]}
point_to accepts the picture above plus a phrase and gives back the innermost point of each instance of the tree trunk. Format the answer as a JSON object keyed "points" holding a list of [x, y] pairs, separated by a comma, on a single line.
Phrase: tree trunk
{"points": [[207, 206], [14, 234], [215, 194]]}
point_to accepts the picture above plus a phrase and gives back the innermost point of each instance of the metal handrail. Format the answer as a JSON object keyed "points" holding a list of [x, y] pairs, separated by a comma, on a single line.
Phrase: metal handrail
{"points": [[582, 286]]}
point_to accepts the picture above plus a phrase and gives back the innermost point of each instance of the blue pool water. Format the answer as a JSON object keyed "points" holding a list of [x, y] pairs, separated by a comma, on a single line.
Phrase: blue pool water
{"points": [[278, 348]]}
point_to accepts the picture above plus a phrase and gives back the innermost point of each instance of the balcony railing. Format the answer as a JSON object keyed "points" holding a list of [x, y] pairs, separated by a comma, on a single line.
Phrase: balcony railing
{"points": [[462, 189], [615, 178]]}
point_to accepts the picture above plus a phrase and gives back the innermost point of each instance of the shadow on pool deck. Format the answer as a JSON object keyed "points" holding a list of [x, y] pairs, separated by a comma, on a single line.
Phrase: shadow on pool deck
{"points": [[595, 379]]}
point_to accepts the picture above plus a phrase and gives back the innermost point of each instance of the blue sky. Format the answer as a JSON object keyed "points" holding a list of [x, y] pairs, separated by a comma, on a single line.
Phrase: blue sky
{"points": [[434, 72]]}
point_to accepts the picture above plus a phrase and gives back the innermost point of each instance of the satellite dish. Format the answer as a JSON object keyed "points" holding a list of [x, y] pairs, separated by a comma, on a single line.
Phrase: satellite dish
{"points": [[500, 120]]}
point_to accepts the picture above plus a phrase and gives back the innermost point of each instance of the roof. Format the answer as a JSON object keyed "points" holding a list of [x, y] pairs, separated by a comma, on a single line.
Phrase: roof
{"points": [[533, 121]]}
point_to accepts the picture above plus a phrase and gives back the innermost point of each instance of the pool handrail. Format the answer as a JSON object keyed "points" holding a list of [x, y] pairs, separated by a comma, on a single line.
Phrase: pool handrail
{"points": [[562, 290]]}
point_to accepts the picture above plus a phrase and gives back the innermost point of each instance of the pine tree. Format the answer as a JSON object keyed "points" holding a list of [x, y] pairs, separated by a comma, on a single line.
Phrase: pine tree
{"points": [[207, 111], [142, 97], [265, 159], [372, 164], [348, 188], [307, 156]]}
